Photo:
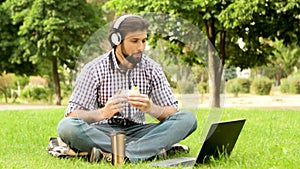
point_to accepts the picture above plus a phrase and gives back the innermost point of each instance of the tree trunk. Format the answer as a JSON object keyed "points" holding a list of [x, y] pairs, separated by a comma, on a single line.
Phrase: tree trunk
{"points": [[215, 64], [214, 78], [56, 81]]}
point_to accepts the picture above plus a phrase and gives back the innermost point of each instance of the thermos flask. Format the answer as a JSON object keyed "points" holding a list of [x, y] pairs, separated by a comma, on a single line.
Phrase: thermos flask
{"points": [[118, 139]]}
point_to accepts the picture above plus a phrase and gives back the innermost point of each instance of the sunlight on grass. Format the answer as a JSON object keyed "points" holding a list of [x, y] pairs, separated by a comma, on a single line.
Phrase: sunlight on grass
{"points": [[269, 139]]}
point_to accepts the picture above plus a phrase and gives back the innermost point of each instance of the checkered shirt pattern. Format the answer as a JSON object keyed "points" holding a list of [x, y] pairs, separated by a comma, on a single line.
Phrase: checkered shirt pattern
{"points": [[101, 78]]}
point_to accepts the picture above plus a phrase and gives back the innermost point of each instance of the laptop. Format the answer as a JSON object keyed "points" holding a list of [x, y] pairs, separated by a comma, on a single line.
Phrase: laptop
{"points": [[219, 142]]}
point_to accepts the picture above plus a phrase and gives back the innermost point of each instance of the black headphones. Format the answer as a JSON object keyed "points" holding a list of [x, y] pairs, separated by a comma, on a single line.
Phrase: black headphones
{"points": [[116, 36]]}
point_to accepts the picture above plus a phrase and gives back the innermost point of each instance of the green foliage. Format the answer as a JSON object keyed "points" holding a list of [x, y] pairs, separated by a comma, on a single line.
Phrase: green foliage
{"points": [[21, 81], [284, 86], [230, 73], [186, 86], [36, 93], [285, 57], [262, 85], [233, 86], [238, 85], [203, 87], [291, 84], [245, 85], [66, 90], [264, 19], [10, 43], [48, 34], [6, 84], [295, 85], [56, 29]]}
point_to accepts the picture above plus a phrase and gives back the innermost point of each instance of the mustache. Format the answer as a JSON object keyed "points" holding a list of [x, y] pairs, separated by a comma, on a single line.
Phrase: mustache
{"points": [[137, 53], [135, 60]]}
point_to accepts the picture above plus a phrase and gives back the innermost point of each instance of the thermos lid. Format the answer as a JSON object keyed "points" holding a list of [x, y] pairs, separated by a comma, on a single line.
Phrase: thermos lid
{"points": [[113, 133]]}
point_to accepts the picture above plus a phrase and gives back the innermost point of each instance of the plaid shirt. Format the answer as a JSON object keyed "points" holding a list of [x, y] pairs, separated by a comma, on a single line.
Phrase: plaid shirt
{"points": [[101, 78]]}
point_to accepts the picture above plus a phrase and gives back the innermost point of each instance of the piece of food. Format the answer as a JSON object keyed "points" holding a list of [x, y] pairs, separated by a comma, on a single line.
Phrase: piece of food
{"points": [[119, 92], [134, 90]]}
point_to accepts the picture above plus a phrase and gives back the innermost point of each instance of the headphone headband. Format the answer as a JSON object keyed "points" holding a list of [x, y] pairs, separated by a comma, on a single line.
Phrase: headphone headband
{"points": [[120, 20], [116, 36]]}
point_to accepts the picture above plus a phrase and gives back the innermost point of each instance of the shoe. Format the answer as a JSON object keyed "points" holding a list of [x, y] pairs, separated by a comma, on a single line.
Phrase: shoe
{"points": [[175, 148], [97, 155], [162, 154], [178, 148]]}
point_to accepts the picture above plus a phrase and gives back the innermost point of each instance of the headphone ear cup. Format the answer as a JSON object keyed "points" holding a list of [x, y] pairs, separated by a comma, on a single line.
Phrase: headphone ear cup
{"points": [[116, 38]]}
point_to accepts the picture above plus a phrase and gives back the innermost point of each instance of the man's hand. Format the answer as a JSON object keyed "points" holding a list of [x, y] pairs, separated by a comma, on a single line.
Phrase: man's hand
{"points": [[113, 105], [143, 103], [140, 101]]}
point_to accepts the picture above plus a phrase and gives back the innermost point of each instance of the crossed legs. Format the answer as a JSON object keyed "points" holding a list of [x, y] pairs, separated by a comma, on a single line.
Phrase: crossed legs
{"points": [[142, 141]]}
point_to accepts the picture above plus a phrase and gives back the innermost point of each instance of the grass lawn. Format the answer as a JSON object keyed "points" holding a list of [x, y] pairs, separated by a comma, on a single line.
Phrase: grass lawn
{"points": [[269, 139]]}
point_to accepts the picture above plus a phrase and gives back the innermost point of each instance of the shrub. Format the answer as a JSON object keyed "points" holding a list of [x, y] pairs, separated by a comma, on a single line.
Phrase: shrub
{"points": [[233, 86], [284, 86], [262, 85], [238, 85], [35, 93], [66, 90], [186, 87], [291, 84], [203, 87], [295, 85], [245, 85]]}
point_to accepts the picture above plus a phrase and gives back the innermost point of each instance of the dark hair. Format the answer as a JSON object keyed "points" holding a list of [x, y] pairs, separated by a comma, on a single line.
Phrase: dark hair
{"points": [[132, 23]]}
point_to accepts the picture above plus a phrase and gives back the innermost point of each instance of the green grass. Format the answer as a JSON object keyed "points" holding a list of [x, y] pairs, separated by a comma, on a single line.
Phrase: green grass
{"points": [[269, 139]]}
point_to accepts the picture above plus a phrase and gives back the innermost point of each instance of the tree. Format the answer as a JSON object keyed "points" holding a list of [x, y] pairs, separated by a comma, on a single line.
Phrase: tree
{"points": [[284, 59], [9, 42], [224, 23], [52, 33]]}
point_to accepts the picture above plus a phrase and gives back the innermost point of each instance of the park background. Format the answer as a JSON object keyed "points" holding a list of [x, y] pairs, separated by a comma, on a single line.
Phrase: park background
{"points": [[254, 46]]}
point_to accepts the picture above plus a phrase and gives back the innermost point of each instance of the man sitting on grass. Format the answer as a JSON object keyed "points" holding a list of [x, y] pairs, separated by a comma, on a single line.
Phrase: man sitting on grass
{"points": [[103, 100]]}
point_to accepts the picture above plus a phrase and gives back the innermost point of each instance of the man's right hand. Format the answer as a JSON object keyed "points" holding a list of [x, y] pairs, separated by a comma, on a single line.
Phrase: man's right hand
{"points": [[113, 105]]}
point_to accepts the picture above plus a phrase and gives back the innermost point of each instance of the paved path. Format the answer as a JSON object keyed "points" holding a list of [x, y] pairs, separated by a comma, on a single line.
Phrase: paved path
{"points": [[23, 107], [278, 101]]}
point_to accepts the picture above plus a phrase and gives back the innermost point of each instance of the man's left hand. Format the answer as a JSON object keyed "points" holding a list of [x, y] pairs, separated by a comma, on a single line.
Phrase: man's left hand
{"points": [[140, 101]]}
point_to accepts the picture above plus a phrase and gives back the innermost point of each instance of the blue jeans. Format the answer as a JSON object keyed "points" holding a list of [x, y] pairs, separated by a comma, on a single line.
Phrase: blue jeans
{"points": [[142, 141]]}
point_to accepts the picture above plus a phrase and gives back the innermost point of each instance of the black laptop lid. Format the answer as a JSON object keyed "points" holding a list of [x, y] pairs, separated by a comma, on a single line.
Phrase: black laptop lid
{"points": [[220, 140]]}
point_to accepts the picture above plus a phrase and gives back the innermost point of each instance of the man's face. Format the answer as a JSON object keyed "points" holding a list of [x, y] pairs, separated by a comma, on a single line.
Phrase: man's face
{"points": [[129, 52]]}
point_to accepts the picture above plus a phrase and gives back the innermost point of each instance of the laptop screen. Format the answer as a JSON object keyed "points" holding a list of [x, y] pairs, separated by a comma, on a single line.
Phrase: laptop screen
{"points": [[220, 140]]}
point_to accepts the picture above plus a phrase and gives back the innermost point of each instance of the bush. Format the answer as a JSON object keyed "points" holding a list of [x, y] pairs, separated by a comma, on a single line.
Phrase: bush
{"points": [[66, 90], [284, 86], [186, 87], [245, 85], [203, 87], [238, 85], [233, 86], [35, 93], [262, 85], [295, 85], [291, 84]]}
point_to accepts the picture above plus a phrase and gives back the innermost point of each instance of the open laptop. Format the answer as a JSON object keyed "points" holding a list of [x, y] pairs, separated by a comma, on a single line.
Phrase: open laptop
{"points": [[219, 141]]}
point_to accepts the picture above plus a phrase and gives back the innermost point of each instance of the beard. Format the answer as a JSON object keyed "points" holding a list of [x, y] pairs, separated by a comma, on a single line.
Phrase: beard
{"points": [[132, 58]]}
